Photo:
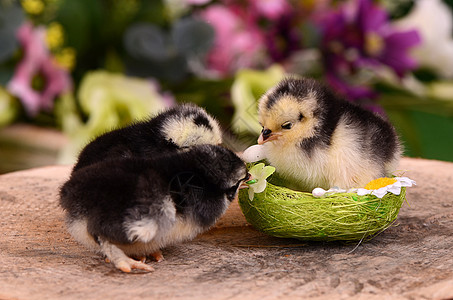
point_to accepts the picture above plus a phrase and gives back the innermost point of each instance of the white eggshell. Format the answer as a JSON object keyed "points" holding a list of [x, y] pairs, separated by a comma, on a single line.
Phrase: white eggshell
{"points": [[253, 153], [318, 192]]}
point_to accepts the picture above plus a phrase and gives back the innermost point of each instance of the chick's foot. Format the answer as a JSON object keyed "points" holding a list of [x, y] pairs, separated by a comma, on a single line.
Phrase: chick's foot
{"points": [[129, 264], [121, 261]]}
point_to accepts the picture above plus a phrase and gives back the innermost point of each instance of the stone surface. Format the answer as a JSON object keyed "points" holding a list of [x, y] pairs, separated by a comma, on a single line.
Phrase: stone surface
{"points": [[414, 260]]}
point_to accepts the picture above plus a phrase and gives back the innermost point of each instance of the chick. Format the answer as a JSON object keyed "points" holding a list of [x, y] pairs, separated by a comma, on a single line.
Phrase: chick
{"points": [[174, 129], [314, 138], [133, 207]]}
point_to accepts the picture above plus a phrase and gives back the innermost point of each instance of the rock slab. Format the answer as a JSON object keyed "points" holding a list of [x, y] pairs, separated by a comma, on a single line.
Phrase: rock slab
{"points": [[413, 260]]}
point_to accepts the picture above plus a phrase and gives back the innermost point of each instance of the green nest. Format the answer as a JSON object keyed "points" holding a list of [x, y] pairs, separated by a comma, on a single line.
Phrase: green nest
{"points": [[281, 212]]}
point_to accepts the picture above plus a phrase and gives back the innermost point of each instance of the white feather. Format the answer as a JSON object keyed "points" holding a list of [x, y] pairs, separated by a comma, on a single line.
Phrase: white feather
{"points": [[79, 230], [143, 230]]}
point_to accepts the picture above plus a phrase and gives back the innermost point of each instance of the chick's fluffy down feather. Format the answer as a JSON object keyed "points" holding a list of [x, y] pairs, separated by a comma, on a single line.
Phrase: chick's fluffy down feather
{"points": [[315, 138], [172, 130], [136, 206]]}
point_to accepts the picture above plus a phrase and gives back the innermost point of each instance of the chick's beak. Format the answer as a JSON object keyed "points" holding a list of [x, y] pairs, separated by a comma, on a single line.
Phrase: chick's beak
{"points": [[266, 136], [244, 184]]}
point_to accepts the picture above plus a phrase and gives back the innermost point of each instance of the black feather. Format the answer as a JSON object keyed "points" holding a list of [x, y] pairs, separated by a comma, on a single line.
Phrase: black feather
{"points": [[201, 120], [108, 192], [141, 139]]}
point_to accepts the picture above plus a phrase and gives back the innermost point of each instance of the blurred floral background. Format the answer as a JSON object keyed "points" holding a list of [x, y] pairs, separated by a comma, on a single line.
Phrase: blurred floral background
{"points": [[70, 70]]}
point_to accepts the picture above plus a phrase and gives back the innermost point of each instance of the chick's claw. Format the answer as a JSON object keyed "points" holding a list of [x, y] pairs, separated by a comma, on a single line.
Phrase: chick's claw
{"points": [[128, 265], [140, 258], [157, 256]]}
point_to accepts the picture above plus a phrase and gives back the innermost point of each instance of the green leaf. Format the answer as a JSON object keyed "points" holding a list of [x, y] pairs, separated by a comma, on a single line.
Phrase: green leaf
{"points": [[173, 69], [146, 41], [11, 14], [11, 17], [82, 21], [192, 37]]}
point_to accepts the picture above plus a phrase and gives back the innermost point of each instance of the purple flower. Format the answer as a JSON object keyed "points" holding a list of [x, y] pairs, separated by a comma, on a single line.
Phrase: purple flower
{"points": [[358, 36], [283, 38], [37, 61]]}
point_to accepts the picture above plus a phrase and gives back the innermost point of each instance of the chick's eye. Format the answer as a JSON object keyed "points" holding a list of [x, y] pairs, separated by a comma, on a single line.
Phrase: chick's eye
{"points": [[231, 192], [287, 125]]}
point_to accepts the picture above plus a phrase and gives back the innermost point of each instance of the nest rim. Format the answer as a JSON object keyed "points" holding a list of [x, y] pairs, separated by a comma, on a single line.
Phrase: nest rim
{"points": [[338, 216]]}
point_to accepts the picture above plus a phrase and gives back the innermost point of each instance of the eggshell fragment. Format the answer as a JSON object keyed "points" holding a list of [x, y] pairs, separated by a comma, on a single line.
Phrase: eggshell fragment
{"points": [[253, 153], [318, 192]]}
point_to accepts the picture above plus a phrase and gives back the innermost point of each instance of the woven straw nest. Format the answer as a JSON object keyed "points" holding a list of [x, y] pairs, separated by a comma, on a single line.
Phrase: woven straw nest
{"points": [[281, 212]]}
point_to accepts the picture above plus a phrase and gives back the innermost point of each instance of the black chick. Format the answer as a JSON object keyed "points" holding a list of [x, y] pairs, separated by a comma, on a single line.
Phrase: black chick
{"points": [[174, 129], [314, 138], [136, 206]]}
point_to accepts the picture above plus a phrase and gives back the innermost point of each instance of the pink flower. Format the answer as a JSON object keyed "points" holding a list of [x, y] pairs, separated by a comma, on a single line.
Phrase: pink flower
{"points": [[271, 9], [37, 61], [239, 42]]}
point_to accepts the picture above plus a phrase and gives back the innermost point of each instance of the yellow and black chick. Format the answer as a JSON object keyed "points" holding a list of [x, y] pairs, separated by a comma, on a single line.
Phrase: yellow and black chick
{"points": [[174, 129], [315, 138], [133, 207]]}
